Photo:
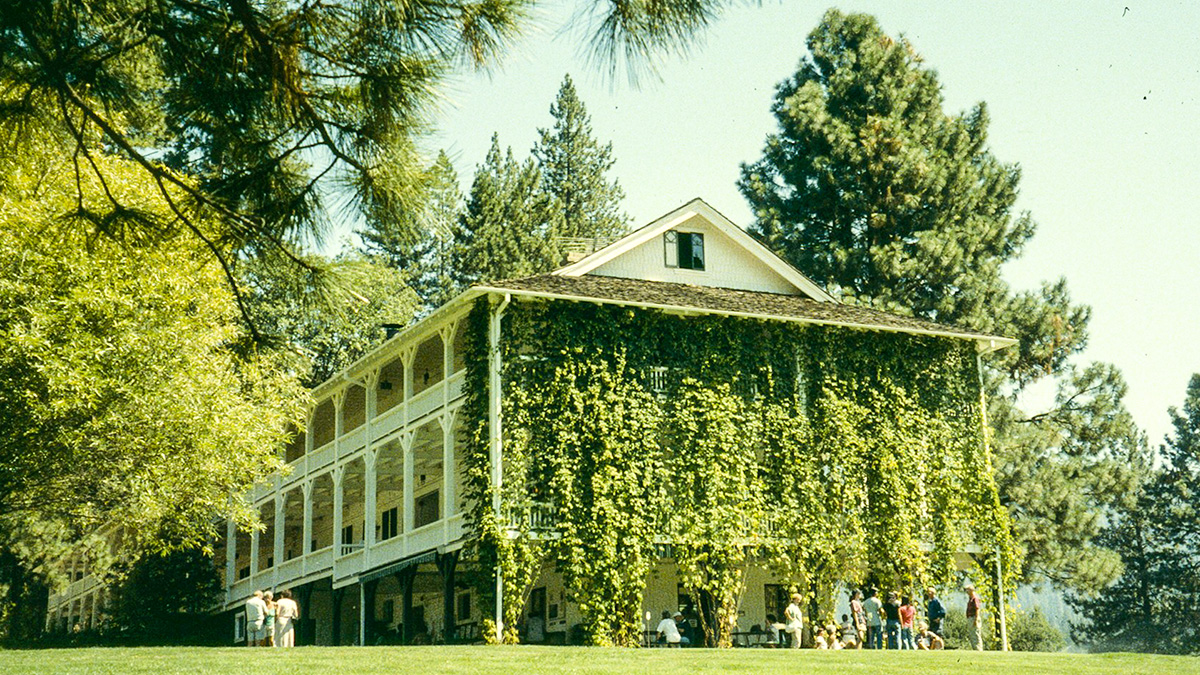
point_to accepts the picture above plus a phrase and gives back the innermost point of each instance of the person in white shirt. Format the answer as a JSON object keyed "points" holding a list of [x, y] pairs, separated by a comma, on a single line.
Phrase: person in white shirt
{"points": [[256, 616], [794, 621], [668, 632], [286, 614]]}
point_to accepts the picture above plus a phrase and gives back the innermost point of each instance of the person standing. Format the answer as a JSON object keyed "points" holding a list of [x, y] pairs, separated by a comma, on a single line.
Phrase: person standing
{"points": [[794, 621], [974, 607], [256, 616], [874, 610], [287, 612], [269, 622], [891, 610], [859, 617], [907, 613], [934, 611]]}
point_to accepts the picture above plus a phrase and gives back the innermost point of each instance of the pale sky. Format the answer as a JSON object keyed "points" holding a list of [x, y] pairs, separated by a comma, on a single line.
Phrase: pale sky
{"points": [[1098, 101]]}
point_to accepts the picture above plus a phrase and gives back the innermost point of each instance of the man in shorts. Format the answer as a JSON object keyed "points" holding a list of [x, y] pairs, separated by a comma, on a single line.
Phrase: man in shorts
{"points": [[256, 617]]}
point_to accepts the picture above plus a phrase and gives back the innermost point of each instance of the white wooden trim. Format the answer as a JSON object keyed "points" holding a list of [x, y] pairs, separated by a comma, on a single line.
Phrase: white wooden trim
{"points": [[694, 208]]}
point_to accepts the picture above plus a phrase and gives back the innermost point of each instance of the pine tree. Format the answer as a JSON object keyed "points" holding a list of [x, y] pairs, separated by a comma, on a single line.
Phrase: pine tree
{"points": [[1154, 604], [871, 188], [509, 223], [574, 165], [424, 244]]}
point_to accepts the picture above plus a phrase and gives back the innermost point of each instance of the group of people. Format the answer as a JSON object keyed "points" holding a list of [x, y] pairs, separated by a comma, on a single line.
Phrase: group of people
{"points": [[871, 621], [271, 622], [871, 624]]}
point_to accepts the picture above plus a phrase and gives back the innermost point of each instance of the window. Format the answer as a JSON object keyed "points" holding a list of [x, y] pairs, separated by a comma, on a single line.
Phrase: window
{"points": [[390, 525], [775, 599], [348, 534], [464, 607], [426, 510], [684, 250]]}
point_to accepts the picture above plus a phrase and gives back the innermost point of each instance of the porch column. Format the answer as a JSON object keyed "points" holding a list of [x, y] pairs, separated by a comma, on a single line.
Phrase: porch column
{"points": [[405, 578], [367, 612], [254, 550], [369, 487], [338, 497], [406, 445], [449, 497], [339, 417], [362, 614], [230, 556], [408, 356], [280, 498], [496, 438], [306, 628], [308, 431], [447, 562], [338, 399], [371, 400], [307, 533], [338, 595]]}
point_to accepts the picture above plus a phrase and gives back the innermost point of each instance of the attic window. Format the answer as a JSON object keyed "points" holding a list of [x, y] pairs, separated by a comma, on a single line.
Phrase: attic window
{"points": [[684, 250]]}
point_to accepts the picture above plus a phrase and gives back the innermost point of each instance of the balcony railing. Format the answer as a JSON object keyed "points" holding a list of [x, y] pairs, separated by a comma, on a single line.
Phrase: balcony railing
{"points": [[531, 517]]}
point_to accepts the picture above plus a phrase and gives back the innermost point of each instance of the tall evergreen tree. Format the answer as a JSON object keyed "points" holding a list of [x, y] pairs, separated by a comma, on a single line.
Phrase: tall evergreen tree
{"points": [[870, 187], [509, 224], [1155, 603], [574, 167], [425, 243]]}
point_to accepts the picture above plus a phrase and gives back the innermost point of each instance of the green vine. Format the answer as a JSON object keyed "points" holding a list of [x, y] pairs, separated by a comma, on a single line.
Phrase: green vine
{"points": [[827, 454]]}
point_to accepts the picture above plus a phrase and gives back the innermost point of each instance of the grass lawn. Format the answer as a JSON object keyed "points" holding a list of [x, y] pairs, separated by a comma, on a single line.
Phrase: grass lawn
{"points": [[530, 660]]}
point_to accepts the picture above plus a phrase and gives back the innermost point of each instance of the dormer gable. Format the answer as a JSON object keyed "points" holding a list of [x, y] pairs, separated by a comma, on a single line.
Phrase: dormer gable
{"points": [[695, 244]]}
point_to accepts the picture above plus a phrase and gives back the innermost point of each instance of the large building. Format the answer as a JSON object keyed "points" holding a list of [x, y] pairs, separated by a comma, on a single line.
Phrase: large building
{"points": [[372, 523]]}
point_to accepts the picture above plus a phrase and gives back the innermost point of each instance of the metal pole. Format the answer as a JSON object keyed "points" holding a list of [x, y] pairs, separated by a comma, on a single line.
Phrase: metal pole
{"points": [[1000, 594], [499, 606]]}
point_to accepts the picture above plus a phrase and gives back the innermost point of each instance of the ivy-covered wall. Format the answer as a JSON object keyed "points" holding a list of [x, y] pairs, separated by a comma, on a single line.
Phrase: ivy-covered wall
{"points": [[825, 454]]}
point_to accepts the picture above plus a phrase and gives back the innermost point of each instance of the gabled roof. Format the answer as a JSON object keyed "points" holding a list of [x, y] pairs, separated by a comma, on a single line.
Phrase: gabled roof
{"points": [[730, 302], [698, 207]]}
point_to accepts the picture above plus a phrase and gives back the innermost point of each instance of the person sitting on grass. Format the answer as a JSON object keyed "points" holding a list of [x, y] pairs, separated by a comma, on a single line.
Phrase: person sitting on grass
{"points": [[929, 640], [819, 642], [849, 633], [831, 634]]}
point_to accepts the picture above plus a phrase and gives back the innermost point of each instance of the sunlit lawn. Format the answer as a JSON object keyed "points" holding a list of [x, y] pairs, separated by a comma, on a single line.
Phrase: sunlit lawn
{"points": [[525, 660]]}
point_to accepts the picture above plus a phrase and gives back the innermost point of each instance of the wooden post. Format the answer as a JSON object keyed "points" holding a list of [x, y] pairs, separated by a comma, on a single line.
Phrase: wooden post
{"points": [[447, 562]]}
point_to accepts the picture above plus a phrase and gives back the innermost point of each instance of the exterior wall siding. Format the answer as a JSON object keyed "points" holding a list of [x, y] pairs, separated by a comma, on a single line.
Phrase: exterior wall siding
{"points": [[727, 264]]}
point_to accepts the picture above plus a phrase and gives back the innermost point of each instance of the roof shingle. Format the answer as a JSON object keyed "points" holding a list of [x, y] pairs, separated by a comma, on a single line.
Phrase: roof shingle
{"points": [[710, 299]]}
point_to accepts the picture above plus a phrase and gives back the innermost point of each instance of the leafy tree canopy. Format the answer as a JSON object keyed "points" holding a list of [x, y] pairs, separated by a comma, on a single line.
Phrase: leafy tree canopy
{"points": [[258, 111], [130, 394], [329, 326]]}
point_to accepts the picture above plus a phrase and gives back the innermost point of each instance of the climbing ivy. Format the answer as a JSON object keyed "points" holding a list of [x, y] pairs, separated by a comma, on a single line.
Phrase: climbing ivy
{"points": [[826, 454]]}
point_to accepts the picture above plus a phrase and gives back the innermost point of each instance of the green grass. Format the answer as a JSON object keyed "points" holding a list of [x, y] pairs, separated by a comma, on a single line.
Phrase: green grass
{"points": [[532, 660]]}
